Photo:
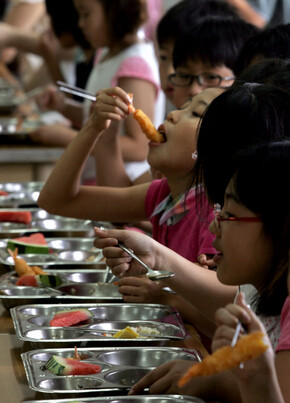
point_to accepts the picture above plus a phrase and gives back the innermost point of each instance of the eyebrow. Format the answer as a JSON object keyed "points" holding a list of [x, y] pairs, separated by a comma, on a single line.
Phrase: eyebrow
{"points": [[202, 103]]}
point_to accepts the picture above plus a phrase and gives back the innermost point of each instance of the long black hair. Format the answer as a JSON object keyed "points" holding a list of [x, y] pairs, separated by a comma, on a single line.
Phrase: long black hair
{"points": [[241, 116], [259, 177]]}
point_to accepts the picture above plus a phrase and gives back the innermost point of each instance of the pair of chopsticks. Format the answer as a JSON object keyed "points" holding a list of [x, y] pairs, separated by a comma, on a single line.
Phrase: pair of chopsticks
{"points": [[71, 89]]}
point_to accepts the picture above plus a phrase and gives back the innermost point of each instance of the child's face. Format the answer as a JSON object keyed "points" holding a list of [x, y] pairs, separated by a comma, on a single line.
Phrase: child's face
{"points": [[166, 68], [195, 68], [245, 252], [92, 22], [174, 156]]}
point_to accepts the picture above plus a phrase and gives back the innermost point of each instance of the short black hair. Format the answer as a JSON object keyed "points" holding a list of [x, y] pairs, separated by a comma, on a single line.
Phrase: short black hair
{"points": [[214, 40], [186, 13], [124, 16], [64, 20], [269, 43]]}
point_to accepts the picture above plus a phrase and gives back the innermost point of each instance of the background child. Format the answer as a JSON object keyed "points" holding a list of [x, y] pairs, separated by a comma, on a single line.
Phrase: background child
{"points": [[204, 57], [124, 60], [254, 245], [178, 20], [270, 43]]}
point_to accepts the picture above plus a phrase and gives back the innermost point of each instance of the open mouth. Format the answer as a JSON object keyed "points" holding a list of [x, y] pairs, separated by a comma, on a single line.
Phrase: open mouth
{"points": [[161, 130]]}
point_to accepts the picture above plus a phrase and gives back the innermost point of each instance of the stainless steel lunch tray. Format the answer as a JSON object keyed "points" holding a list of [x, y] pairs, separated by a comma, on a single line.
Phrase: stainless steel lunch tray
{"points": [[62, 252], [82, 281], [48, 225], [20, 194], [120, 368], [126, 399], [31, 324]]}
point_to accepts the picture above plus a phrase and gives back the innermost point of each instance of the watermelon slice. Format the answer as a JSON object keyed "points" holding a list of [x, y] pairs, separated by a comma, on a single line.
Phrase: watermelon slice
{"points": [[49, 280], [28, 280], [70, 317], [24, 217], [34, 243], [69, 366]]}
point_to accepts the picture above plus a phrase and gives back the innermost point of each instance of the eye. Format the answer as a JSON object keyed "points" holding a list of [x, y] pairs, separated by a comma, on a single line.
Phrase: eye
{"points": [[196, 114]]}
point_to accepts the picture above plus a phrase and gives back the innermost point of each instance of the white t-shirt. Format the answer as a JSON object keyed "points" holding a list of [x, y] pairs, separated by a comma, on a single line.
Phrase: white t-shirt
{"points": [[136, 61]]}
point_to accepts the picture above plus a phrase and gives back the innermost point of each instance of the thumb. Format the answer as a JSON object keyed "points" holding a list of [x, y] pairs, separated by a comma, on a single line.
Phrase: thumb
{"points": [[254, 324]]}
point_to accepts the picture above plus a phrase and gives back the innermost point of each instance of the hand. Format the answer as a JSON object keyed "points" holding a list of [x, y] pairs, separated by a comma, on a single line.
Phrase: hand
{"points": [[164, 379], [118, 260], [227, 319], [140, 289], [111, 104], [56, 134], [51, 99], [206, 262]]}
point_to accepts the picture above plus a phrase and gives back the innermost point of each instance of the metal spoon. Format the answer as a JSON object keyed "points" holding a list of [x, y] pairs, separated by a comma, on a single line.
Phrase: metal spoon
{"points": [[153, 275]]}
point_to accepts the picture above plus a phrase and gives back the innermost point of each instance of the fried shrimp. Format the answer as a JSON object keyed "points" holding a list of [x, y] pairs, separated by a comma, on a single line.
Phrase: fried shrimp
{"points": [[21, 267], [146, 125], [225, 358]]}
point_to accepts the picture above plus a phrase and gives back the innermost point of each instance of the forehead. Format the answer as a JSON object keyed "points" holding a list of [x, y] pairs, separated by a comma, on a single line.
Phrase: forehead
{"points": [[206, 96], [197, 66]]}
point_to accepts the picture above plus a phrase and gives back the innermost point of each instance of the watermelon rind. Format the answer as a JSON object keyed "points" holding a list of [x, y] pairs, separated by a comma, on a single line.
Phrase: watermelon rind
{"points": [[49, 280], [56, 365], [25, 248], [69, 366]]}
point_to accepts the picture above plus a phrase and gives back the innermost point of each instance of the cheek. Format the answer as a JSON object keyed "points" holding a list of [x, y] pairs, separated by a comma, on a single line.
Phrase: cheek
{"points": [[180, 96]]}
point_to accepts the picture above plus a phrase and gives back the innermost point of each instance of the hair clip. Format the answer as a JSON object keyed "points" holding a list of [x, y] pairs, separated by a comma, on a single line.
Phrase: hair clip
{"points": [[194, 155]]}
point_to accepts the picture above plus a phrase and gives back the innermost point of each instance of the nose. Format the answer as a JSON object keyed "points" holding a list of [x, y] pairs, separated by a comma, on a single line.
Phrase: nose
{"points": [[213, 227], [172, 116], [194, 89]]}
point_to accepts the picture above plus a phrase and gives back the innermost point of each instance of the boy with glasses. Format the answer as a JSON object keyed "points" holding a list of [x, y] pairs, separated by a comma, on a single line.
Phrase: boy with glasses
{"points": [[204, 56]]}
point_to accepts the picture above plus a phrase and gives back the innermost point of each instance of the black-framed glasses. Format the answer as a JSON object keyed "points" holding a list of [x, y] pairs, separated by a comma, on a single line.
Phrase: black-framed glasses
{"points": [[204, 79], [218, 218]]}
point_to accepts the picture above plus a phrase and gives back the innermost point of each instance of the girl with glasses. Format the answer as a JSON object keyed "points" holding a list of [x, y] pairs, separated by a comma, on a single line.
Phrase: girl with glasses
{"points": [[252, 237]]}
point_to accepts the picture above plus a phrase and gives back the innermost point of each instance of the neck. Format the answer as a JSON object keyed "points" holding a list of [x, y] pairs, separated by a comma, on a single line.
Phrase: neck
{"points": [[179, 185], [127, 41]]}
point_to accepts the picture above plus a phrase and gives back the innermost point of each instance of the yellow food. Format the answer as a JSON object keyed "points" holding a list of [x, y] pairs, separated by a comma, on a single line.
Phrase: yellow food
{"points": [[225, 358], [22, 268], [127, 333]]}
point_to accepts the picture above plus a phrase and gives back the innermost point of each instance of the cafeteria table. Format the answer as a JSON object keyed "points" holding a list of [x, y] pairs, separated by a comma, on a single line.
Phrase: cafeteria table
{"points": [[13, 383]]}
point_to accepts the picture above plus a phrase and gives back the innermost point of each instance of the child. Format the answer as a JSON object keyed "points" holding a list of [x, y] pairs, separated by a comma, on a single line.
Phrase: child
{"points": [[124, 61], [204, 57], [238, 118], [270, 43], [167, 202], [174, 23], [254, 244]]}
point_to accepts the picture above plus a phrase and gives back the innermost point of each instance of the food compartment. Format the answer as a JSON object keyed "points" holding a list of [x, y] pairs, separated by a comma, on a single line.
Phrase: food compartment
{"points": [[113, 376]]}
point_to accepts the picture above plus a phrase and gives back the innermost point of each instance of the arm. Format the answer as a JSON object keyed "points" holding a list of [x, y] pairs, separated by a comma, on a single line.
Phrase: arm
{"points": [[24, 16], [62, 193], [198, 286], [248, 13]]}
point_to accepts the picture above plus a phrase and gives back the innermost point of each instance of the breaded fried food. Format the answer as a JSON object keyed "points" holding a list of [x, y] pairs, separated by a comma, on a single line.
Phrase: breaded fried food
{"points": [[145, 123], [21, 267], [247, 347], [147, 127]]}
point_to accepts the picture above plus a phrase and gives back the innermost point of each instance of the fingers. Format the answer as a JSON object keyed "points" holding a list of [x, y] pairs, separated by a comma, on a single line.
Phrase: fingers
{"points": [[149, 379], [254, 323]]}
